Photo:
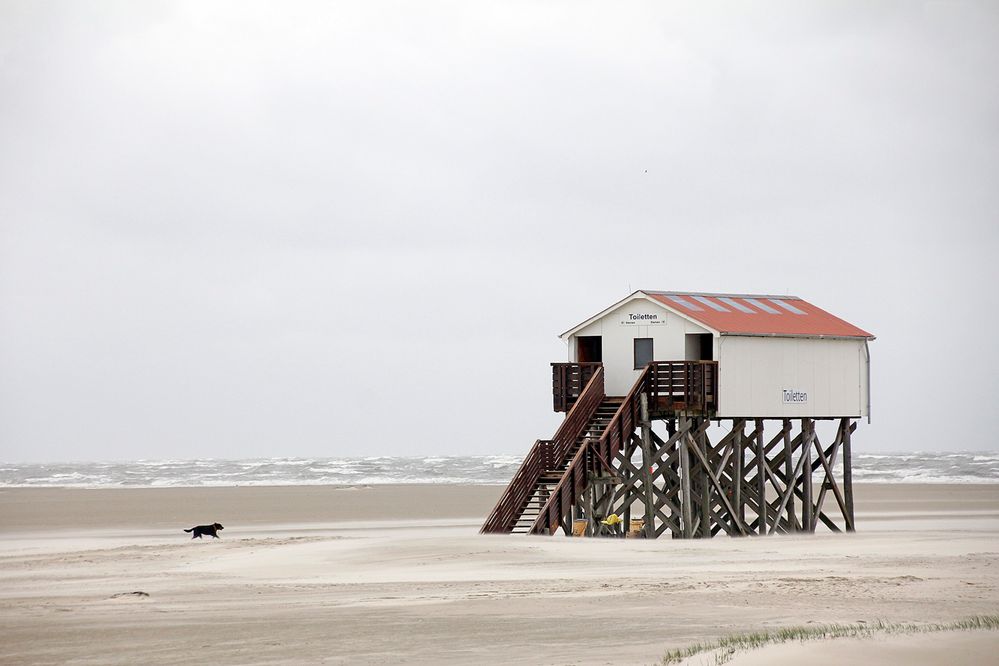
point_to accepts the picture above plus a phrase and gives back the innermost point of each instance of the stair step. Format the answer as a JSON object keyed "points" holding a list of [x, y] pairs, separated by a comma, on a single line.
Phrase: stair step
{"points": [[602, 417]]}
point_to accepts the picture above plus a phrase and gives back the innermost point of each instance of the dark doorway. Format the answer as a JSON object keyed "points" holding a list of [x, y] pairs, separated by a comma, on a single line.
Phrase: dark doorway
{"points": [[589, 349], [700, 347]]}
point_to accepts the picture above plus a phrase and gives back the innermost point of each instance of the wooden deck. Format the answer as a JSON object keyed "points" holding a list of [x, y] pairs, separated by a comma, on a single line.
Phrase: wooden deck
{"points": [[673, 387]]}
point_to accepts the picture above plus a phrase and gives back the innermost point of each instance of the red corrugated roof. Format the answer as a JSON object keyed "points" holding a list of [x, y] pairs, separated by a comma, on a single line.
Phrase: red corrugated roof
{"points": [[758, 315]]}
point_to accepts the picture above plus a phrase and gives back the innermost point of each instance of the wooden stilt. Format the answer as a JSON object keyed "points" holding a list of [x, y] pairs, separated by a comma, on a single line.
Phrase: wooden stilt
{"points": [[848, 474], [737, 463], [828, 461], [626, 470], [590, 510], [691, 487], [687, 517], [647, 486], [761, 477], [700, 443], [788, 450], [808, 432]]}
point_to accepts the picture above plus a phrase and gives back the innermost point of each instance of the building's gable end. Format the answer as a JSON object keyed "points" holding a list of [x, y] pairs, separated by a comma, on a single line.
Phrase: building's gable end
{"points": [[638, 295]]}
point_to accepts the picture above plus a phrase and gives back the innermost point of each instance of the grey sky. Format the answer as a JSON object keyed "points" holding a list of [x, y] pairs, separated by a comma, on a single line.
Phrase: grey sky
{"points": [[266, 229]]}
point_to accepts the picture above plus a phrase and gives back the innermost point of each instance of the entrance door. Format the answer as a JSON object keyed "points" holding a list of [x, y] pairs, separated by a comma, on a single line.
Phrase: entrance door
{"points": [[589, 349], [699, 347]]}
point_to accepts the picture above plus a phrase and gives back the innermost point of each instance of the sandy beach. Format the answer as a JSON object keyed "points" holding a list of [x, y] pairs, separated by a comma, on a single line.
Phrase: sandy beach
{"points": [[399, 574]]}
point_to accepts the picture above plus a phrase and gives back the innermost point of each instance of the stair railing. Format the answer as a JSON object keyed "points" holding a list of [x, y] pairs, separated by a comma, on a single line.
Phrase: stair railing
{"points": [[570, 488], [544, 455], [518, 491]]}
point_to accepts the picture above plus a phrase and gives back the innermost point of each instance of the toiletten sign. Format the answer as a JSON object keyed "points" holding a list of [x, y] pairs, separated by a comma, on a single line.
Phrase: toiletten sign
{"points": [[794, 397], [642, 319]]}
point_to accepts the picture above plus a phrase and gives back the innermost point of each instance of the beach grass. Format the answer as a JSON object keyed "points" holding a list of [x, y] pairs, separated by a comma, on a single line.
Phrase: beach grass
{"points": [[726, 647]]}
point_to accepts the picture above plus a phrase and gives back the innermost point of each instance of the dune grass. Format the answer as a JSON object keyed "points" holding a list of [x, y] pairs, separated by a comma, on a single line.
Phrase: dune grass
{"points": [[726, 647]]}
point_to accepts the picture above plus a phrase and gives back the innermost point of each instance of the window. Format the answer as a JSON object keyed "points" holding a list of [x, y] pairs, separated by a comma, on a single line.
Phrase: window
{"points": [[643, 352]]}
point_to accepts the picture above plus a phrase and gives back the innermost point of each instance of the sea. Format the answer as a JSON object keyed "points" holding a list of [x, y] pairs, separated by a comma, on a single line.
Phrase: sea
{"points": [[962, 467]]}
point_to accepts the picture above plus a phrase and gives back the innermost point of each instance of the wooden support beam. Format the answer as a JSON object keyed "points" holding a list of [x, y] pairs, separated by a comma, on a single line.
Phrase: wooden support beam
{"points": [[686, 499], [647, 495], [847, 428], [799, 481], [700, 445], [626, 471], [690, 487], [738, 460], [761, 476], [721, 492], [828, 463], [788, 450], [789, 487], [808, 430], [590, 505]]}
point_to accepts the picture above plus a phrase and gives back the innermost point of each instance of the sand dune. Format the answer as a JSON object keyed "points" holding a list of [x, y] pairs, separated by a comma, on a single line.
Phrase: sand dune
{"points": [[395, 574]]}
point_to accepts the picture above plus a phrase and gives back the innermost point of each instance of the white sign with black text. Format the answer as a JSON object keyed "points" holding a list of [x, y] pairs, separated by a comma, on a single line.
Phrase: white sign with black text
{"points": [[642, 319]]}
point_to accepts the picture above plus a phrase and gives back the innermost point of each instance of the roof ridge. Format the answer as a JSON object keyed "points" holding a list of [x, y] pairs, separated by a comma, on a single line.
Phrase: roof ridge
{"points": [[714, 295]]}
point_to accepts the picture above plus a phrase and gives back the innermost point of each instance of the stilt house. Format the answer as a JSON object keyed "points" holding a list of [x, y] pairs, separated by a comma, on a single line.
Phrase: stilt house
{"points": [[683, 361]]}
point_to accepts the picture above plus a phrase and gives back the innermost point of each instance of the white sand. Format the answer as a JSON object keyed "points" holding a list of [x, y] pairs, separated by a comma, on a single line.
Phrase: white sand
{"points": [[949, 647], [399, 574]]}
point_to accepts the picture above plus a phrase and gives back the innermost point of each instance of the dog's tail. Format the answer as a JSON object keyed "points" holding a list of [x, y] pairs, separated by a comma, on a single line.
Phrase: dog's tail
{"points": [[190, 530]]}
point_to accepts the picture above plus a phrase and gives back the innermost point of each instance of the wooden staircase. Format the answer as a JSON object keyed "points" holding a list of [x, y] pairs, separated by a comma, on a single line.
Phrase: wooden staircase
{"points": [[547, 461], [549, 478]]}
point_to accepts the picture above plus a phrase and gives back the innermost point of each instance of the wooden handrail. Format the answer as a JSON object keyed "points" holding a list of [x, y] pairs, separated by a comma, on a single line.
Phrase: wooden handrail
{"points": [[690, 385], [579, 416], [573, 482], [545, 455], [504, 513]]}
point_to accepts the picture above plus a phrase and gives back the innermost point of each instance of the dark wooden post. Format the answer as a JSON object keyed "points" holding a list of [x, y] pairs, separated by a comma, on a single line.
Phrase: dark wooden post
{"points": [[738, 459], [590, 508], [807, 437], [848, 474], [650, 516], [686, 510], [627, 451], [705, 489], [792, 521], [761, 476]]}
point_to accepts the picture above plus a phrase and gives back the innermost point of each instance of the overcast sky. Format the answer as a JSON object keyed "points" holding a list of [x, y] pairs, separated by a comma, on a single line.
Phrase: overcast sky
{"points": [[240, 229]]}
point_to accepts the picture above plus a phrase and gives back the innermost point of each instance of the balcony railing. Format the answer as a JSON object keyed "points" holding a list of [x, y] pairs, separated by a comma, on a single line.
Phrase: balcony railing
{"points": [[568, 382], [683, 386], [672, 386]]}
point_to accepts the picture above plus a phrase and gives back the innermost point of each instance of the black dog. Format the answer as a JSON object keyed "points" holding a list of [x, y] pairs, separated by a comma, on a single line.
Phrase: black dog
{"points": [[202, 530]]}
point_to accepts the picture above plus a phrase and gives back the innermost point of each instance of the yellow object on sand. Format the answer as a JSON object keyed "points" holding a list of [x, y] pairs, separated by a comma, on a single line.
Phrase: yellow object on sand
{"points": [[612, 520]]}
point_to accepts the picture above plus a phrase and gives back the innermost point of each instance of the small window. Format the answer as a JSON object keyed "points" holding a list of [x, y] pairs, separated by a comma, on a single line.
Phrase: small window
{"points": [[643, 352]]}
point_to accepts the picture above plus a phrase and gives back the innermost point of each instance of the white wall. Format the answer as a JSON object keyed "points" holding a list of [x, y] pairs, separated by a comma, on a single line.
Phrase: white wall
{"points": [[618, 341], [753, 373]]}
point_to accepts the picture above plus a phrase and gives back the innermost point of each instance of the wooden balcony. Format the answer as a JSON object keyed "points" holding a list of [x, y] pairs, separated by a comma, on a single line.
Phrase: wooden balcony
{"points": [[687, 387], [568, 382], [672, 386]]}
